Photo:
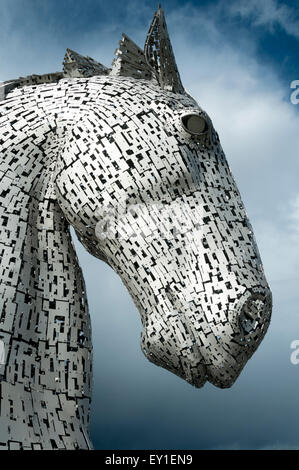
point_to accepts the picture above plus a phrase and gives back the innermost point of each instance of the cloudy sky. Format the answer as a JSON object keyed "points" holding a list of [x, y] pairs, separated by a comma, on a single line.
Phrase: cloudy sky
{"points": [[237, 58]]}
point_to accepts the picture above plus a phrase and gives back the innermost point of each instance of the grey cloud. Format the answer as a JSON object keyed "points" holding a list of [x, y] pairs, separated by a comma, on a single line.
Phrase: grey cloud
{"points": [[269, 13]]}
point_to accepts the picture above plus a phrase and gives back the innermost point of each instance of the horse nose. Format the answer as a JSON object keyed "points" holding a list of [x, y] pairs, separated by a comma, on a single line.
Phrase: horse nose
{"points": [[250, 320], [254, 313]]}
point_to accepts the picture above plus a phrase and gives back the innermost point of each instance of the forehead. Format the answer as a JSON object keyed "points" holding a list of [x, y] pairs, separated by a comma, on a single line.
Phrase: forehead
{"points": [[144, 143], [119, 93]]}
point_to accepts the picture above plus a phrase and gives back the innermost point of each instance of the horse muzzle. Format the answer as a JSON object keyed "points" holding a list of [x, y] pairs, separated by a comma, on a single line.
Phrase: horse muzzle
{"points": [[251, 319], [198, 351]]}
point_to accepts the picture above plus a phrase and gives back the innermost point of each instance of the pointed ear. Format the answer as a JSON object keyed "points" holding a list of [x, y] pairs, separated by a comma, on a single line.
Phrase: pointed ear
{"points": [[75, 65], [130, 61], [159, 54]]}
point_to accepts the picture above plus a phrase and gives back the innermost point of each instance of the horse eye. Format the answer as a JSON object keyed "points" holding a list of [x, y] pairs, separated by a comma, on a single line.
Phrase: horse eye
{"points": [[194, 124]]}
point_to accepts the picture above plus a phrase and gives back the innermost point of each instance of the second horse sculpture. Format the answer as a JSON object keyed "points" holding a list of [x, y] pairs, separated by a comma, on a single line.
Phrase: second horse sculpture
{"points": [[129, 159]]}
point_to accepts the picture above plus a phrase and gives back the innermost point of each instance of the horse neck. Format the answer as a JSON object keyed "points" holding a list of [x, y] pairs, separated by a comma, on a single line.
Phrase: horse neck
{"points": [[44, 321]]}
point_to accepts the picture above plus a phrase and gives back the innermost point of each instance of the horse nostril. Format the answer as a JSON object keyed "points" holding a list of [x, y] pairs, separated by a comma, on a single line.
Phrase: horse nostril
{"points": [[255, 312]]}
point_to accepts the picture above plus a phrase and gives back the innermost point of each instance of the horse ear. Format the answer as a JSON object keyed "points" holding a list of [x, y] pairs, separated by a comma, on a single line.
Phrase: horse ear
{"points": [[75, 65], [159, 54], [130, 61]]}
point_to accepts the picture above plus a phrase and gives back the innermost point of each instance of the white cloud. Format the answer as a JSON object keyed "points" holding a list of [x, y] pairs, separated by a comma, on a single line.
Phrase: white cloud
{"points": [[294, 214], [269, 13]]}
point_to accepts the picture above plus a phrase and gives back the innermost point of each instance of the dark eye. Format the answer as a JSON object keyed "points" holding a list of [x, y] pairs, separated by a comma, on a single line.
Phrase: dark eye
{"points": [[194, 124]]}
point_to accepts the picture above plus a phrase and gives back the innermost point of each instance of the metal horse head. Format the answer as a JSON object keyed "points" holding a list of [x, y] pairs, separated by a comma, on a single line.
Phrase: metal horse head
{"points": [[133, 163], [180, 238]]}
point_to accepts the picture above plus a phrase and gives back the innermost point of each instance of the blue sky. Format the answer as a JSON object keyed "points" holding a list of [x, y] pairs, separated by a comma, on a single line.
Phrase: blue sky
{"points": [[41, 29], [237, 58]]}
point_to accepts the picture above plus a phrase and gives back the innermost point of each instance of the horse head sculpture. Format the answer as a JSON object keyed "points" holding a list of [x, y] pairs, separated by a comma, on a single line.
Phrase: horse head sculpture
{"points": [[129, 159]]}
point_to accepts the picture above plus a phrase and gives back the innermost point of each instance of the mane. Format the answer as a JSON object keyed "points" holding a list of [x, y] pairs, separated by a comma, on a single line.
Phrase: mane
{"points": [[74, 66], [155, 63]]}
